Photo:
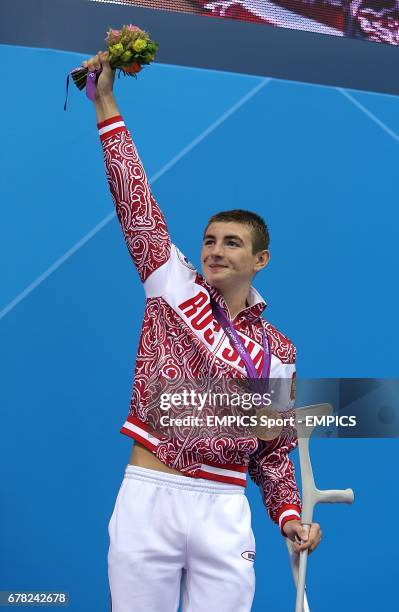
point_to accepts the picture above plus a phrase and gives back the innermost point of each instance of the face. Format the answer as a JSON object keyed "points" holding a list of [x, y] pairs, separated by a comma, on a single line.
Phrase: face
{"points": [[226, 255]]}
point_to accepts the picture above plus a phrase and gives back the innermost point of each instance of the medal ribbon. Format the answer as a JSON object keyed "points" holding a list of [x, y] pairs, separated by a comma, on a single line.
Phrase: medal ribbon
{"points": [[238, 344], [91, 83]]}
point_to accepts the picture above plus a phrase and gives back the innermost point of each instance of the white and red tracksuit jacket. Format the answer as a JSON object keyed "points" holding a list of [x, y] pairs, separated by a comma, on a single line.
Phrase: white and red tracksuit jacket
{"points": [[180, 338]]}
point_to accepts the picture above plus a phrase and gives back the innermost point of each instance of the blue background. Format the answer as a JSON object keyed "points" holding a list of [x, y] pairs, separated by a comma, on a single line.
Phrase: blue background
{"points": [[321, 170]]}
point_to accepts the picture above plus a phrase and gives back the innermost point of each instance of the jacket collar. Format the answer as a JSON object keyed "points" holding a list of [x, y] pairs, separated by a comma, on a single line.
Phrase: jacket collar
{"points": [[256, 303]]}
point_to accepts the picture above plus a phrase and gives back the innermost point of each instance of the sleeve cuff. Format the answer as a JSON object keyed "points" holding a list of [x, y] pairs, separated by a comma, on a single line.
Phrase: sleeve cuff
{"points": [[111, 126], [287, 513]]}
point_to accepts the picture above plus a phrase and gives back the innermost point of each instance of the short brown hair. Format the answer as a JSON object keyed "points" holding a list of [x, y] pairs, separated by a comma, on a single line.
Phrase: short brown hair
{"points": [[260, 232]]}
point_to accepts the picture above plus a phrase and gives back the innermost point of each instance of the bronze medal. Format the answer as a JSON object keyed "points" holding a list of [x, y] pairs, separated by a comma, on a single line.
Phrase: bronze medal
{"points": [[269, 424]]}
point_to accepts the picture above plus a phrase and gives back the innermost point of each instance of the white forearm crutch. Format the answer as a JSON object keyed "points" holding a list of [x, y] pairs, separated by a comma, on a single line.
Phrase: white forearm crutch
{"points": [[310, 496]]}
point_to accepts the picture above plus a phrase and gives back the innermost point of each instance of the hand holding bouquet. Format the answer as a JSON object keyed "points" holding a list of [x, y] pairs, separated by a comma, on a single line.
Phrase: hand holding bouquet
{"points": [[128, 50]]}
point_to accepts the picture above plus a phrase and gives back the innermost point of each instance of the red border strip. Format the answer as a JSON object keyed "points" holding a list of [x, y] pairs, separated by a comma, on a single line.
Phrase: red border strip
{"points": [[109, 121], [220, 478], [226, 466]]}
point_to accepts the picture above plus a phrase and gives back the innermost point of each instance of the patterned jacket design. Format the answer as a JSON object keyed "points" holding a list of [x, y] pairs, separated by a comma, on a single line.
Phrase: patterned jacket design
{"points": [[180, 339]]}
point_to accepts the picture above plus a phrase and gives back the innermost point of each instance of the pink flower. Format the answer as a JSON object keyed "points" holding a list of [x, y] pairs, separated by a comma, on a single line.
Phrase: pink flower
{"points": [[132, 28], [113, 36]]}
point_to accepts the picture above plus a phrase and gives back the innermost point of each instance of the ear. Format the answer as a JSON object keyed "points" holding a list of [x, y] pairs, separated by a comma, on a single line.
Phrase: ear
{"points": [[262, 259]]}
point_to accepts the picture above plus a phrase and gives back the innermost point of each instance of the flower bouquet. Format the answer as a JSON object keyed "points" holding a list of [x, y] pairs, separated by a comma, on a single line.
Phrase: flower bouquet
{"points": [[128, 50]]}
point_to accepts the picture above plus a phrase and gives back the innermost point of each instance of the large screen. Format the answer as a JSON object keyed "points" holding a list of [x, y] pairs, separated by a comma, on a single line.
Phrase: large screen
{"points": [[373, 20]]}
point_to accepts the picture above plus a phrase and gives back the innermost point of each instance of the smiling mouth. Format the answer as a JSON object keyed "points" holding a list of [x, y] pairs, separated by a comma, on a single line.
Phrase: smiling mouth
{"points": [[216, 266]]}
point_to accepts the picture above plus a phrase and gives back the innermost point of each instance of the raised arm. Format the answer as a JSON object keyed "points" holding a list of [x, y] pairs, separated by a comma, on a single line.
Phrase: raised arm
{"points": [[141, 219]]}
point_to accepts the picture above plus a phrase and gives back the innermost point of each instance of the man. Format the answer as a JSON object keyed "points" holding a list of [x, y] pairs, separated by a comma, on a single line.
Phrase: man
{"points": [[180, 518]]}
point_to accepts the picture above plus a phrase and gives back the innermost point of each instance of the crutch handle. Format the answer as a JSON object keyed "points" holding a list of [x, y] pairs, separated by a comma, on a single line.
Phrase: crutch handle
{"points": [[336, 496]]}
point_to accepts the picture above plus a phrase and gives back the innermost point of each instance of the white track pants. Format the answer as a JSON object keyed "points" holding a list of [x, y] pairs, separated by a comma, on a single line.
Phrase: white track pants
{"points": [[170, 532]]}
